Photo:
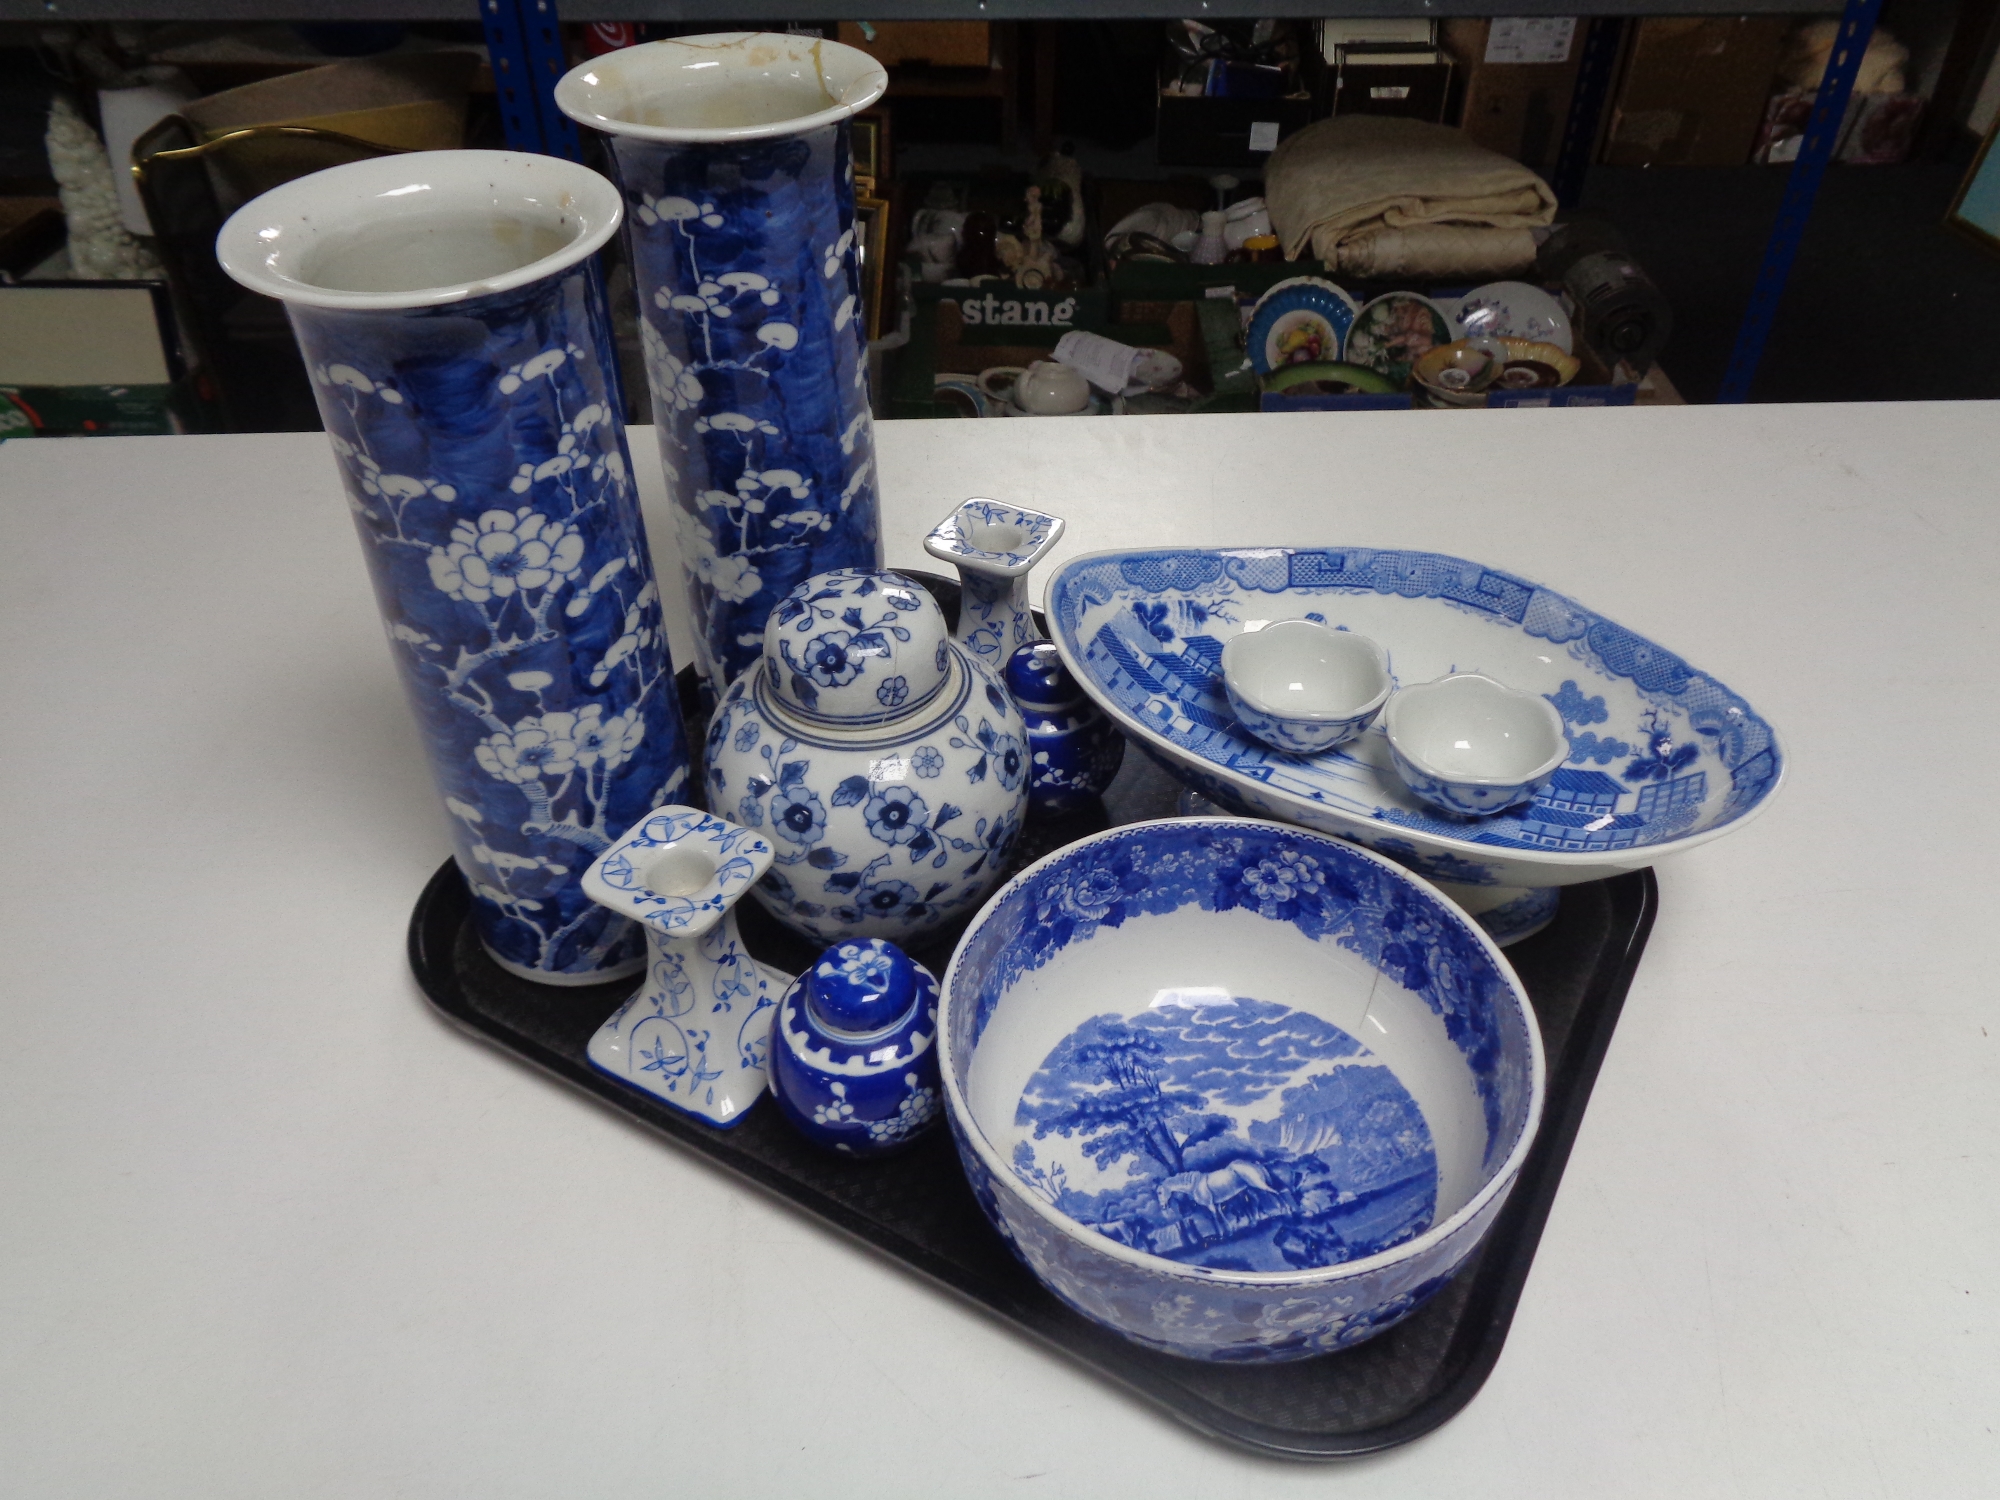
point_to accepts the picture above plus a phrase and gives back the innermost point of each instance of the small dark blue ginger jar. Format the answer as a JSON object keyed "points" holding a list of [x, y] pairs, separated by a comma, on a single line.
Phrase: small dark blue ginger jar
{"points": [[853, 1054], [1074, 750]]}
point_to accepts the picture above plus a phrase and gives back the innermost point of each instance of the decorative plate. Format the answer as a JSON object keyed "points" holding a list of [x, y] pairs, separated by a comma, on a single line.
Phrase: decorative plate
{"points": [[1516, 310], [1396, 330], [1328, 379], [1300, 321], [1662, 756]]}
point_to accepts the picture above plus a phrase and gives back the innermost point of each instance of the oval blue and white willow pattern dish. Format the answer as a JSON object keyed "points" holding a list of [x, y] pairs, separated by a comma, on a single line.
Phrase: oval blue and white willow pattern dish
{"points": [[1662, 756], [485, 463], [1237, 1090]]}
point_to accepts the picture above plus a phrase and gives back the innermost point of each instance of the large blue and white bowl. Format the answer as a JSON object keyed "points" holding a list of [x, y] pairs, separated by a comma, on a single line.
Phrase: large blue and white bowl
{"points": [[1237, 1090]]}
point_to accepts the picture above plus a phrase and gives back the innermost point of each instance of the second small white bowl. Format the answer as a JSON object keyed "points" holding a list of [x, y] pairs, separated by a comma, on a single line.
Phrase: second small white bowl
{"points": [[1302, 686], [1471, 745]]}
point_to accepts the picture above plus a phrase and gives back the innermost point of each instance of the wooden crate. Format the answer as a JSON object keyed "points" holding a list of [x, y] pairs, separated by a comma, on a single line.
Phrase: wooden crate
{"points": [[935, 44]]}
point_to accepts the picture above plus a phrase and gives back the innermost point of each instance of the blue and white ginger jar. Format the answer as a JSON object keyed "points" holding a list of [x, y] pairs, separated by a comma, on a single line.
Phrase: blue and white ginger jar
{"points": [[1074, 750], [855, 1066], [886, 763]]}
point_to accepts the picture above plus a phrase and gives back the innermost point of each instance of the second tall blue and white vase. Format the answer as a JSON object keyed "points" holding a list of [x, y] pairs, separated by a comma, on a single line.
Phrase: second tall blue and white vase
{"points": [[733, 153], [452, 318]]}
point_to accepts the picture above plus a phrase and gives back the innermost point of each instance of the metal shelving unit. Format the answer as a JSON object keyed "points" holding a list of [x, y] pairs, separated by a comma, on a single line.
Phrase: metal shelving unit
{"points": [[875, 10], [527, 57]]}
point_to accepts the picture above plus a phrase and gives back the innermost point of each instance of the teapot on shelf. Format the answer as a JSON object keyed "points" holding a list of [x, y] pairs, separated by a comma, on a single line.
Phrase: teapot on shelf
{"points": [[1046, 388]]}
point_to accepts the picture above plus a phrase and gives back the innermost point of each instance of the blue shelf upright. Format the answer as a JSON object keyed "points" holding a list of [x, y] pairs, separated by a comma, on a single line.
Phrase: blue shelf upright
{"points": [[524, 39], [1822, 135]]}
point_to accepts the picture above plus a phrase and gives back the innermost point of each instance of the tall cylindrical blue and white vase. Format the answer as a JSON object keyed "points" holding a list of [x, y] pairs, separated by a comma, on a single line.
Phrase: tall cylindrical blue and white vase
{"points": [[733, 151], [452, 317]]}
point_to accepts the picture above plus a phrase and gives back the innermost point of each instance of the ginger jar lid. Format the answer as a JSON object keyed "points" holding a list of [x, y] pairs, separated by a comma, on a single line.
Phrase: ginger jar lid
{"points": [[861, 988], [1037, 677], [853, 649]]}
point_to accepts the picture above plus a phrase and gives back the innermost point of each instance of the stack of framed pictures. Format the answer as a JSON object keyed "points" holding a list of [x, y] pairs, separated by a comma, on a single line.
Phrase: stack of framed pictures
{"points": [[1975, 212], [873, 171]]}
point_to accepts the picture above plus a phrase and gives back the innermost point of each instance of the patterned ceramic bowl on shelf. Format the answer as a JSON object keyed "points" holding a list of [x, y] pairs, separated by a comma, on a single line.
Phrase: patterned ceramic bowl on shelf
{"points": [[1236, 1090], [1516, 310]]}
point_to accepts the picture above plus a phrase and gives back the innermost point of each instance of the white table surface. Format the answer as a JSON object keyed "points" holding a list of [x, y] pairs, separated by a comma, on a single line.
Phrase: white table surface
{"points": [[270, 1228]]}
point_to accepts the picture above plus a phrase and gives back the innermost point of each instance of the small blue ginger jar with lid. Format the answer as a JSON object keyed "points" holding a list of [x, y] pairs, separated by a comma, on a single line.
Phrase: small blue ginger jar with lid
{"points": [[854, 1054], [1074, 750]]}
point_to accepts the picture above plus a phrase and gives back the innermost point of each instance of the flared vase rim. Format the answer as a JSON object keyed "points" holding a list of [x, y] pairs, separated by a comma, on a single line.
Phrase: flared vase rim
{"points": [[262, 243], [575, 90]]}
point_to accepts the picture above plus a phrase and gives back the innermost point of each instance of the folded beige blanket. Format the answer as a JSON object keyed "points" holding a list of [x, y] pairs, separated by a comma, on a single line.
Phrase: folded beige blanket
{"points": [[1342, 177], [1436, 250]]}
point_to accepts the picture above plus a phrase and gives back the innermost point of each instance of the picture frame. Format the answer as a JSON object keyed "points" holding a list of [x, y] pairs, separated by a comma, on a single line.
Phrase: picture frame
{"points": [[1975, 210], [91, 332], [871, 233], [871, 149]]}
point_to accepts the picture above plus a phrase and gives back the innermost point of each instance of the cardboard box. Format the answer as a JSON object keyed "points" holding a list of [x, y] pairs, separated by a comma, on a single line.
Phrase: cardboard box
{"points": [[88, 357], [412, 102], [999, 314], [1198, 130], [96, 410], [1372, 31], [936, 44], [1414, 83], [943, 344], [1692, 89], [1518, 109]]}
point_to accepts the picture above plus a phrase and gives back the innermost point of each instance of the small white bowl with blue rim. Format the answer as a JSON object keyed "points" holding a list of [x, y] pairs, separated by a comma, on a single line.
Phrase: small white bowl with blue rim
{"points": [[1303, 686], [1471, 745], [1234, 1089]]}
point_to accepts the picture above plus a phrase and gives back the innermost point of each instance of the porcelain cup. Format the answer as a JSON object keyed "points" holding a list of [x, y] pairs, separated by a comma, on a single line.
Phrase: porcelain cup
{"points": [[1302, 686], [1471, 745], [1048, 388]]}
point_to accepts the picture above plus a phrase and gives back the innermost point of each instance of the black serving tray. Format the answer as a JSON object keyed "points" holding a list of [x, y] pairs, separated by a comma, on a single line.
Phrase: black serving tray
{"points": [[916, 1207]]}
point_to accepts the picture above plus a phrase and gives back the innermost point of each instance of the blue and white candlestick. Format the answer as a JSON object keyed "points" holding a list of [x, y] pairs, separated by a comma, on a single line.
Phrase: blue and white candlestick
{"points": [[696, 1033], [451, 315], [1074, 750], [751, 309], [854, 1061], [994, 546]]}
